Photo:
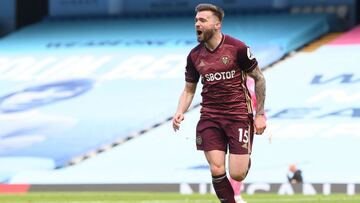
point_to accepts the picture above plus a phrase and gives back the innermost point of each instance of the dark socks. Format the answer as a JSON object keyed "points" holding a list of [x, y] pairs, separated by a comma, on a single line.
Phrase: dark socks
{"points": [[223, 189]]}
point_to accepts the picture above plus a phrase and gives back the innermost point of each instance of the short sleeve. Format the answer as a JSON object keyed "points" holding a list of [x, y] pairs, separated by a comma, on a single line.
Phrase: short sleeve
{"points": [[246, 59], [191, 74]]}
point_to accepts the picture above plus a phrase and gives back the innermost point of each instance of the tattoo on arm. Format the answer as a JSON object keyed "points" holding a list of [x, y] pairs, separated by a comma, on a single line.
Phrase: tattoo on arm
{"points": [[260, 90]]}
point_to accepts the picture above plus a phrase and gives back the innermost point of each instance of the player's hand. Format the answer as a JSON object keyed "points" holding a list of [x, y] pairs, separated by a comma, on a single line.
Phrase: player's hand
{"points": [[259, 124], [178, 117]]}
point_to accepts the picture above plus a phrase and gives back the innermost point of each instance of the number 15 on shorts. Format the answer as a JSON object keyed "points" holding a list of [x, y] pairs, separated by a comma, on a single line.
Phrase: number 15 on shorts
{"points": [[243, 135]]}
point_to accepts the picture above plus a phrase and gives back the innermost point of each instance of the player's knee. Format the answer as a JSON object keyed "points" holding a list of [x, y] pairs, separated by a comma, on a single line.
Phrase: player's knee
{"points": [[238, 176], [217, 169], [240, 173]]}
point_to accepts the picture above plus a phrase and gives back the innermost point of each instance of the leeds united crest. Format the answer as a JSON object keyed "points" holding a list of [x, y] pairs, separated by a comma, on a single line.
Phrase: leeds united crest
{"points": [[225, 60], [198, 140]]}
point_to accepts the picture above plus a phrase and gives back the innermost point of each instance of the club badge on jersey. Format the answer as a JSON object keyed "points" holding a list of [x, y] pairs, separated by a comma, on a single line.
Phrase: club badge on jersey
{"points": [[225, 60]]}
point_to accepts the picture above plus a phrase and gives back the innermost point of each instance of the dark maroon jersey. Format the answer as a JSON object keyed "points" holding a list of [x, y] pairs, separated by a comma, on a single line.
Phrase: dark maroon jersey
{"points": [[223, 75]]}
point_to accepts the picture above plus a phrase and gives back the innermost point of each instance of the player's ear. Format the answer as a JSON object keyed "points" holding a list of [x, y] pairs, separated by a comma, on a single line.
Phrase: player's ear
{"points": [[218, 25]]}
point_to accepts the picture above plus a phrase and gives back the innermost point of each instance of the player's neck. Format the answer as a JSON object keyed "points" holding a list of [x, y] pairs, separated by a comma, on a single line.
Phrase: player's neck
{"points": [[214, 42]]}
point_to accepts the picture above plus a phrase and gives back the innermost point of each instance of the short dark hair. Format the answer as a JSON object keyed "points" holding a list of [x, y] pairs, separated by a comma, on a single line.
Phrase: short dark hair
{"points": [[218, 12]]}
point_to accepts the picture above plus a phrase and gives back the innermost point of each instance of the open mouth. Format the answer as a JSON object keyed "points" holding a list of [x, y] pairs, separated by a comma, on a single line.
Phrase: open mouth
{"points": [[199, 32]]}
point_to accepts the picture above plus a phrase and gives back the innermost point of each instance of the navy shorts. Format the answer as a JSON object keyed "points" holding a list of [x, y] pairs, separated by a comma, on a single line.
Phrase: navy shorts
{"points": [[224, 134]]}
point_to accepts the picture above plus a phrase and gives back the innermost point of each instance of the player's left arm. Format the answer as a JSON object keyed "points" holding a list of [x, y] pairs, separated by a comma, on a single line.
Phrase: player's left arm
{"points": [[260, 92]]}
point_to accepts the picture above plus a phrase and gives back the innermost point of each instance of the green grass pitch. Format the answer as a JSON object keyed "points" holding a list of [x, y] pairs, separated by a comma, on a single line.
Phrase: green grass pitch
{"points": [[119, 197]]}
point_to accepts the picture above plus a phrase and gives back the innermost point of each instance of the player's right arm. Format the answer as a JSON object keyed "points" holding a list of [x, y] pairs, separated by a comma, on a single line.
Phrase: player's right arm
{"points": [[184, 103]]}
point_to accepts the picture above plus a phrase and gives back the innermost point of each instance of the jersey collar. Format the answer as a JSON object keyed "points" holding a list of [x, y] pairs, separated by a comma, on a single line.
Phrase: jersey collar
{"points": [[221, 42]]}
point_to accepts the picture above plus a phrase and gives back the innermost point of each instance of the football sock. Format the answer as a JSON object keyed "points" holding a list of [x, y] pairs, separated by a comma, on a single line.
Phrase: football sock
{"points": [[223, 189], [236, 185]]}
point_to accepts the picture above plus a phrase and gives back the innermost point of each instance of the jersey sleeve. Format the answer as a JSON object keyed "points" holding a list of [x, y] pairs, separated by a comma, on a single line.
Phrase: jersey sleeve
{"points": [[191, 74], [246, 59]]}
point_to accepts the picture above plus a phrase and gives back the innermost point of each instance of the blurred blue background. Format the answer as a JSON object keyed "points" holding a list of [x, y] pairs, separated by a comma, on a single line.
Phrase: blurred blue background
{"points": [[87, 89]]}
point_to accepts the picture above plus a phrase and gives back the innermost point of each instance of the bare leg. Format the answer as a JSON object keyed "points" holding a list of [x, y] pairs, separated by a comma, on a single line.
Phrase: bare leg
{"points": [[221, 184], [239, 166]]}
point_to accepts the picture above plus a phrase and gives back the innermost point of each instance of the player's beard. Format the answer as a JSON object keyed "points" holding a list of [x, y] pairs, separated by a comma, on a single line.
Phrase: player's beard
{"points": [[206, 35]]}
